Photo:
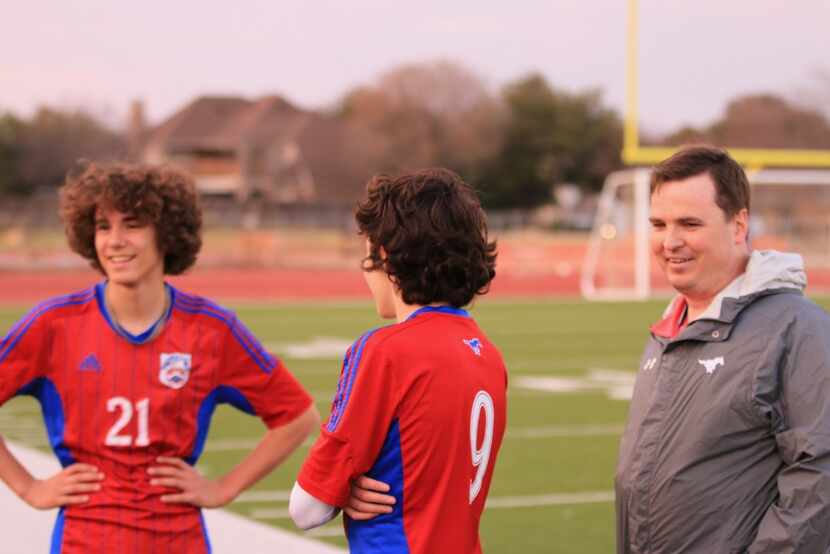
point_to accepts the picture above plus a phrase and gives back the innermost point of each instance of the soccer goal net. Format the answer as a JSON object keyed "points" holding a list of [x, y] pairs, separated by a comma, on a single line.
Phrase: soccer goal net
{"points": [[790, 211]]}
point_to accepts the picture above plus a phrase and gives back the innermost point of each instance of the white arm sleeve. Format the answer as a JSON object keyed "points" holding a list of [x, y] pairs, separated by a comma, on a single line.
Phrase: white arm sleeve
{"points": [[308, 512]]}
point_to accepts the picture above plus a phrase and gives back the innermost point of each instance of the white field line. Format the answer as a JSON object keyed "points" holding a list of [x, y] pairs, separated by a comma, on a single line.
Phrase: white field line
{"points": [[334, 530], [558, 499], [495, 503], [224, 445], [269, 513], [333, 369], [23, 426], [516, 392], [263, 496], [19, 420], [36, 440], [550, 431], [617, 385], [547, 431], [318, 348], [229, 533], [21, 410]]}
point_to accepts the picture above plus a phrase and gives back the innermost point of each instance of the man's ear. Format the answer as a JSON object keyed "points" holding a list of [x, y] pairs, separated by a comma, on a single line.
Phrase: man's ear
{"points": [[741, 220]]}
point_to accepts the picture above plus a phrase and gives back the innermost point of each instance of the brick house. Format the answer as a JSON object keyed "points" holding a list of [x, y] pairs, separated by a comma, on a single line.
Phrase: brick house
{"points": [[265, 148]]}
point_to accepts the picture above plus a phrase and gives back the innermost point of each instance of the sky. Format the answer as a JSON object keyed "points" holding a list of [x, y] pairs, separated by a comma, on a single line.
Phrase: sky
{"points": [[694, 54]]}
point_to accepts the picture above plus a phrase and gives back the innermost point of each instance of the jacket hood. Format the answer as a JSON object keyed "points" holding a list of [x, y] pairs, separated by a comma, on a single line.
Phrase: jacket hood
{"points": [[768, 271]]}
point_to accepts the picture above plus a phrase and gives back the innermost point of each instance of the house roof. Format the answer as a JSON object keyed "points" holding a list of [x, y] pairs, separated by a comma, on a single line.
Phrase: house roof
{"points": [[337, 158], [219, 123], [331, 149]]}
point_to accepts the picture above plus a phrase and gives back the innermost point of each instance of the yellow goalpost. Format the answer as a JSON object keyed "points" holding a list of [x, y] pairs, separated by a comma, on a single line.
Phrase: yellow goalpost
{"points": [[636, 155], [791, 205]]}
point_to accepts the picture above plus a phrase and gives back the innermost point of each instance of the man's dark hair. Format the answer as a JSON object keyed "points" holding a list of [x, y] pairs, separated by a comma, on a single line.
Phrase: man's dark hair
{"points": [[433, 232], [159, 196], [731, 185]]}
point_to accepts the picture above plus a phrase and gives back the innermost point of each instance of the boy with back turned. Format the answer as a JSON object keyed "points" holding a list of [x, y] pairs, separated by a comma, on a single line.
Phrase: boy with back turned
{"points": [[420, 409]]}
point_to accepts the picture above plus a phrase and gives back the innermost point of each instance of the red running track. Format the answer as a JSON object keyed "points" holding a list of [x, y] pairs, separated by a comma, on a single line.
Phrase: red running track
{"points": [[24, 287], [227, 285]]}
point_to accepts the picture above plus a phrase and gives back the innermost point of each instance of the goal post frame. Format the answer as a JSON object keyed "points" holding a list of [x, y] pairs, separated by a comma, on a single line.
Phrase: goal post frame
{"points": [[634, 154], [639, 178]]}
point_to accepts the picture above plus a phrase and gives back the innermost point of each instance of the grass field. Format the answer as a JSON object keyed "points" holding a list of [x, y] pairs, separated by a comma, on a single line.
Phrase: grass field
{"points": [[552, 490]]}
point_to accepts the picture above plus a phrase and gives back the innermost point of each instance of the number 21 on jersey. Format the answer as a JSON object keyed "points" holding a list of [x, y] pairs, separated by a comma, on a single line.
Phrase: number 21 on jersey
{"points": [[482, 403], [115, 437]]}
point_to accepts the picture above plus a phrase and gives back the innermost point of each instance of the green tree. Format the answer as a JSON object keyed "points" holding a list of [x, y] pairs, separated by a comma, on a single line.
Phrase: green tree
{"points": [[10, 181], [551, 136], [53, 141]]}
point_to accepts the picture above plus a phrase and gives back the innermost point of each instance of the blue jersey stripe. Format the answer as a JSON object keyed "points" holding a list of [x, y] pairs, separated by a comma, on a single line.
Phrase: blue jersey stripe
{"points": [[337, 401], [253, 342], [345, 372], [384, 534], [205, 532], [355, 368], [338, 394], [347, 381], [140, 338], [266, 362], [51, 406], [23, 325], [222, 394], [193, 302], [17, 332], [439, 309], [201, 302], [57, 533]]}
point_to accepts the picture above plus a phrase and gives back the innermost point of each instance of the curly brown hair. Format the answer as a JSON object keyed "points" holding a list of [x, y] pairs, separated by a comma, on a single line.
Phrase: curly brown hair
{"points": [[434, 235], [160, 196]]}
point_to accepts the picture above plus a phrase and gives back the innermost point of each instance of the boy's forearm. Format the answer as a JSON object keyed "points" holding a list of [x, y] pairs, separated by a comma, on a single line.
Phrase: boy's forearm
{"points": [[12, 472], [275, 446]]}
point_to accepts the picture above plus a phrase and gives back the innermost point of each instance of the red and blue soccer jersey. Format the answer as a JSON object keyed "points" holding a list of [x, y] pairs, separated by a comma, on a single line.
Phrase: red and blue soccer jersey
{"points": [[421, 406], [118, 401]]}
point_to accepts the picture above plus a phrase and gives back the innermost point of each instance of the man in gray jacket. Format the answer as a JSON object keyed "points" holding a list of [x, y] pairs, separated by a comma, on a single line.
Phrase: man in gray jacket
{"points": [[727, 446]]}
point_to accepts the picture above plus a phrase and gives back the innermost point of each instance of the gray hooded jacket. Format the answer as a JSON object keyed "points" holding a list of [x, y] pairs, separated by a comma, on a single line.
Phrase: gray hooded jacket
{"points": [[727, 445]]}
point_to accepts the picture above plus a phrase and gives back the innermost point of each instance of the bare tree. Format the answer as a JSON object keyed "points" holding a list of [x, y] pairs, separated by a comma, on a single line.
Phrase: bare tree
{"points": [[434, 113], [816, 95], [762, 121]]}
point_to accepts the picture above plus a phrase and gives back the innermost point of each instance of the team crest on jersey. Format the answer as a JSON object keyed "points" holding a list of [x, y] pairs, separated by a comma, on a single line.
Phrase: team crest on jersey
{"points": [[175, 369], [474, 344]]}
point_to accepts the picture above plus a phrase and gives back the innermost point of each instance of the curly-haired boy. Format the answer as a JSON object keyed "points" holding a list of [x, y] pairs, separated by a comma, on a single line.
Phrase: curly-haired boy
{"points": [[420, 410], [129, 371]]}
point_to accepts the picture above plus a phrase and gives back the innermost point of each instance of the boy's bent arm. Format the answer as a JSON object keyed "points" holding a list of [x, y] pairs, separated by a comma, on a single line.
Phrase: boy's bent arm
{"points": [[366, 501], [275, 446], [12, 472], [71, 485]]}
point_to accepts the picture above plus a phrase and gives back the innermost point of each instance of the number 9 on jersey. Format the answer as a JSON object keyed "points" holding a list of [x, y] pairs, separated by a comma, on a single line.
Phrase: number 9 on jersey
{"points": [[480, 454]]}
